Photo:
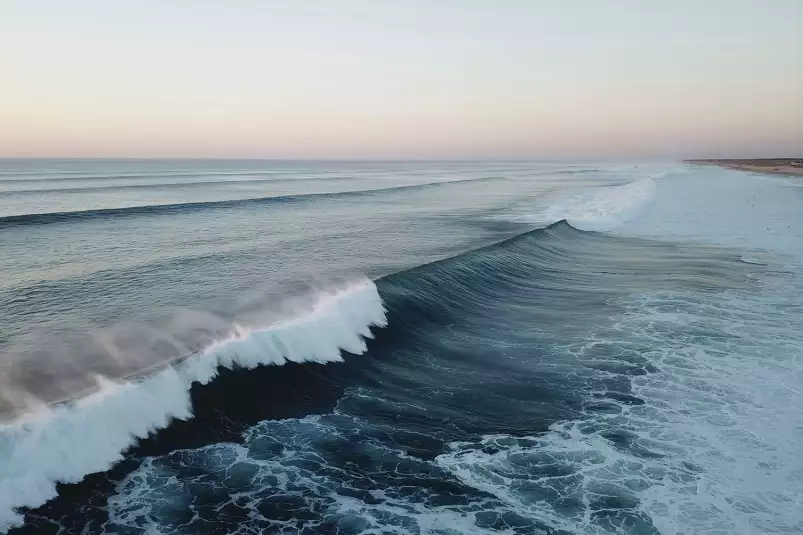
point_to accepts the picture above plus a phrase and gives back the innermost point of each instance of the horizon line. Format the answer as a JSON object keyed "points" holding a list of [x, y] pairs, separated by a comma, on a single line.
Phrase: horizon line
{"points": [[392, 159]]}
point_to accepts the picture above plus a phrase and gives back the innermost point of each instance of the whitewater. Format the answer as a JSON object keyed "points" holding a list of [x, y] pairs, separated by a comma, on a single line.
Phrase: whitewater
{"points": [[715, 439]]}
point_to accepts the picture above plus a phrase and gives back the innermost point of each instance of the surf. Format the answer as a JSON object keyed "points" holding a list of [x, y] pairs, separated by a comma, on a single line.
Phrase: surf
{"points": [[603, 319], [96, 429], [473, 343]]}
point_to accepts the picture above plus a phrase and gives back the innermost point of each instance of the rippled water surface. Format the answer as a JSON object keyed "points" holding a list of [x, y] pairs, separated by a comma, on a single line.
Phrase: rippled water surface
{"points": [[390, 347]]}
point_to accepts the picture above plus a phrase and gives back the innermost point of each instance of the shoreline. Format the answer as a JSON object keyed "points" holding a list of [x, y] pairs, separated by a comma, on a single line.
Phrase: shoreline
{"points": [[770, 166]]}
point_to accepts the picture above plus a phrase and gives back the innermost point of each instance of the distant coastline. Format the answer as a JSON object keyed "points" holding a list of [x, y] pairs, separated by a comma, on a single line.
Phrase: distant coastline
{"points": [[776, 166]]}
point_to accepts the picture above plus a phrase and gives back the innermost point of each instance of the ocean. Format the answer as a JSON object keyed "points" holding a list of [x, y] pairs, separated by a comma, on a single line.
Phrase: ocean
{"points": [[256, 346]]}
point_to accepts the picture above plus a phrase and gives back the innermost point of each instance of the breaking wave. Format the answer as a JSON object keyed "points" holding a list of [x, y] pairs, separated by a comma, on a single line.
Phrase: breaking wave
{"points": [[94, 431], [66, 442]]}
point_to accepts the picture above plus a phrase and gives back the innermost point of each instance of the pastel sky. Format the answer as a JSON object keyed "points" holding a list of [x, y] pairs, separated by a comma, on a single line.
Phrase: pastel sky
{"points": [[401, 79]]}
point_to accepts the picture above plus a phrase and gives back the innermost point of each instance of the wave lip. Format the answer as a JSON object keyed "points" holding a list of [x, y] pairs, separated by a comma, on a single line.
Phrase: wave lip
{"points": [[67, 442]]}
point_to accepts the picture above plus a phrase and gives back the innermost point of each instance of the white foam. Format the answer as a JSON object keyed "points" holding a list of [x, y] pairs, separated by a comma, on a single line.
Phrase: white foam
{"points": [[600, 209], [65, 443], [725, 207], [605, 209], [714, 448], [149, 498]]}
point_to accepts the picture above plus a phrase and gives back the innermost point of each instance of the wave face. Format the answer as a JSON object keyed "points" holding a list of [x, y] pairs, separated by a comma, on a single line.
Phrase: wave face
{"points": [[638, 375]]}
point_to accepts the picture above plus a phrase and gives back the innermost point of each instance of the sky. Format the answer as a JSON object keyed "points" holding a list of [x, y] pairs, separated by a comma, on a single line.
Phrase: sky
{"points": [[417, 79]]}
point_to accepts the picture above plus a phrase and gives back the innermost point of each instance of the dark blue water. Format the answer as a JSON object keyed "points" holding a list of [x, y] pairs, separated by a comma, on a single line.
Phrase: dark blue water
{"points": [[352, 347]]}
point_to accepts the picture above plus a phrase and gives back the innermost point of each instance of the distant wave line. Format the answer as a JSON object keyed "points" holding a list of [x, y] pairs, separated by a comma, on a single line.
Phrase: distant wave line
{"points": [[165, 185], [102, 213], [279, 175]]}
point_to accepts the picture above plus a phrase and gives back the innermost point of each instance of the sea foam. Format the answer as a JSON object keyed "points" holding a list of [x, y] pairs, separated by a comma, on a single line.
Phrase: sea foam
{"points": [[606, 209]]}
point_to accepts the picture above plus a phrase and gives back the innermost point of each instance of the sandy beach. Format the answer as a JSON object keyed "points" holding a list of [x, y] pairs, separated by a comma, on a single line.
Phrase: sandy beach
{"points": [[777, 166]]}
